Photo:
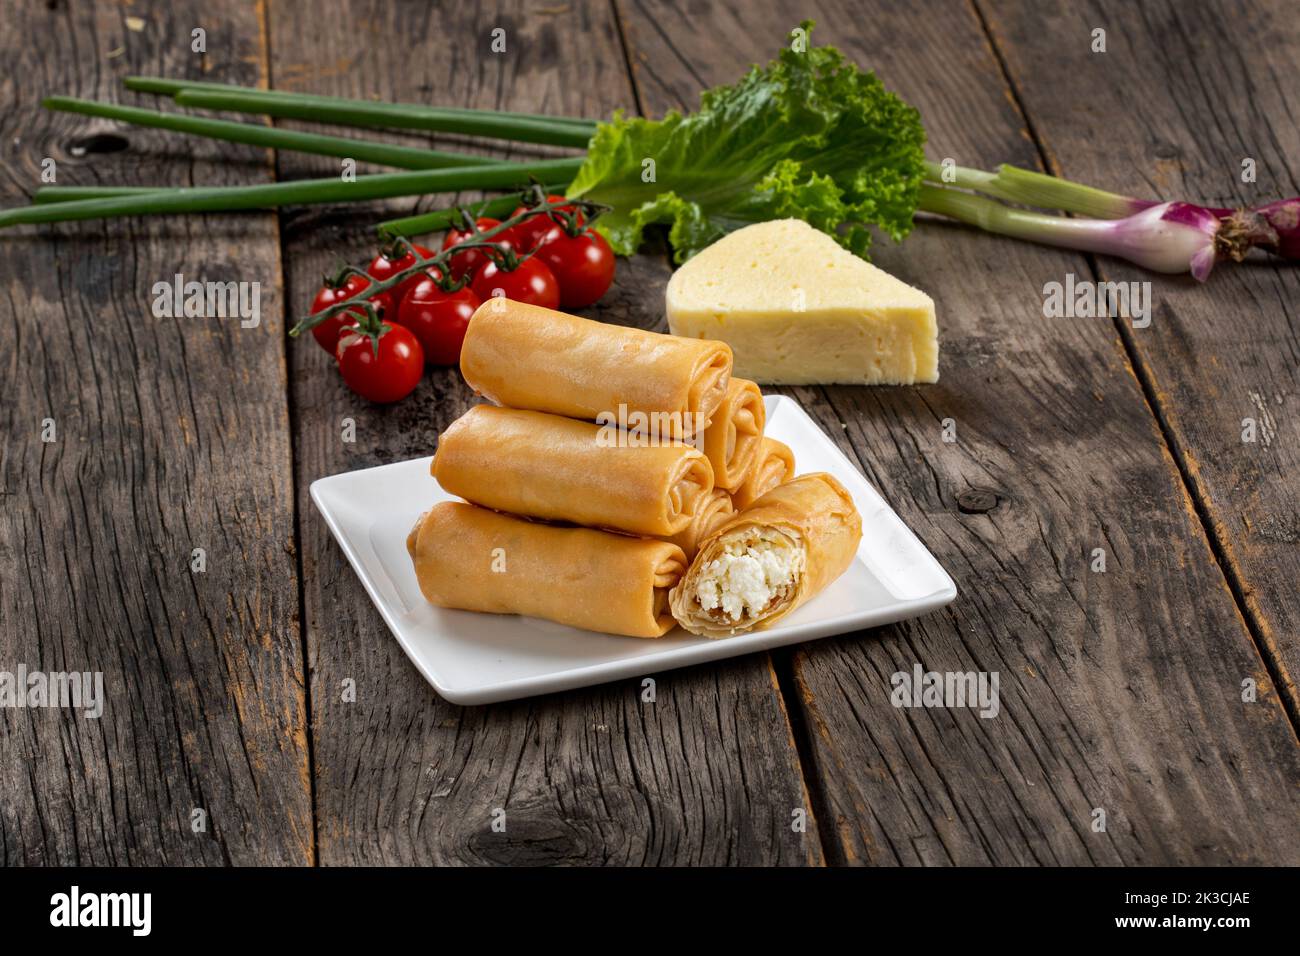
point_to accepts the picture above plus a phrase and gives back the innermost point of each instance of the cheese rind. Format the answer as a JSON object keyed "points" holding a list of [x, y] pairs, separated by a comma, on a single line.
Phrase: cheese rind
{"points": [[799, 309]]}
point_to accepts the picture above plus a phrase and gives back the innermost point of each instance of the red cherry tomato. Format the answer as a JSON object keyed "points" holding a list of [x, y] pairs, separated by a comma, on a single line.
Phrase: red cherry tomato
{"points": [[530, 281], [582, 264], [391, 374], [327, 333], [438, 319], [532, 232], [468, 263], [549, 232], [382, 267]]}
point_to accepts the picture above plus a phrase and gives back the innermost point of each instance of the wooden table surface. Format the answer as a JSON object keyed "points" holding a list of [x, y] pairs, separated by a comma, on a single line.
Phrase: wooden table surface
{"points": [[1120, 691]]}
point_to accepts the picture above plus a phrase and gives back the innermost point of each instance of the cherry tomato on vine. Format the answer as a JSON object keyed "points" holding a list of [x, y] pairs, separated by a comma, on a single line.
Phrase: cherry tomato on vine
{"points": [[387, 376], [438, 319], [383, 266], [532, 231], [468, 263], [549, 233], [582, 264], [327, 333], [529, 281]]}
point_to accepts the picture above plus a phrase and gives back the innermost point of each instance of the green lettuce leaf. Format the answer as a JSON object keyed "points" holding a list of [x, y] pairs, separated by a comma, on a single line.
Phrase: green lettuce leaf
{"points": [[810, 136]]}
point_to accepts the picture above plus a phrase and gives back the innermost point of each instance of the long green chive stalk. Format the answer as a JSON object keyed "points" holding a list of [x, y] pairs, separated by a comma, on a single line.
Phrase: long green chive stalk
{"points": [[441, 219], [384, 154], [166, 87], [489, 207], [270, 195], [56, 194], [357, 113]]}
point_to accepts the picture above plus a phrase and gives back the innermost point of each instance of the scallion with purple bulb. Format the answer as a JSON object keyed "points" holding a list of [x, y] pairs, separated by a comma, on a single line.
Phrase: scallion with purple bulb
{"points": [[1168, 237]]}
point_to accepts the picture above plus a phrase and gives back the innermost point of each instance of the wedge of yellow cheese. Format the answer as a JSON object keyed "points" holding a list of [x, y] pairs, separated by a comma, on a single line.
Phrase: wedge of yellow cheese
{"points": [[797, 308]]}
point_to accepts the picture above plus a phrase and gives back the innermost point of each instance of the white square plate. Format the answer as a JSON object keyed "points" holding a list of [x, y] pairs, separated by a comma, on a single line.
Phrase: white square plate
{"points": [[472, 658]]}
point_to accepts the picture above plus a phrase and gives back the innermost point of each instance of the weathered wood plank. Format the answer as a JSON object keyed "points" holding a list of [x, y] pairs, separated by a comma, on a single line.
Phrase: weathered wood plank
{"points": [[171, 435], [707, 774], [1119, 690], [1183, 95]]}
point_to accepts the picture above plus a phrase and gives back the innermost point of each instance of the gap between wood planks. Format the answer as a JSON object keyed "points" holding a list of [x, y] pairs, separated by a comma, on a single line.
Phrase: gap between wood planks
{"points": [[291, 412], [779, 662], [1177, 453]]}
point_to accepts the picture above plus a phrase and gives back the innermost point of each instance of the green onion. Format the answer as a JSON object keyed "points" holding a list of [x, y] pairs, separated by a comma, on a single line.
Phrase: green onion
{"points": [[166, 87], [357, 113], [1169, 237], [403, 157], [270, 195], [1036, 189], [440, 219]]}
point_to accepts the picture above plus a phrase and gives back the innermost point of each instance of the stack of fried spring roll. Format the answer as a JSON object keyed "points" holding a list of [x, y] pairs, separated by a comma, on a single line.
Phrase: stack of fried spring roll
{"points": [[579, 522]]}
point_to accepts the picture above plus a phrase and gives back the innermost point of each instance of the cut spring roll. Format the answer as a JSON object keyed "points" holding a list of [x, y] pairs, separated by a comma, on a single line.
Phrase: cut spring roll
{"points": [[773, 465], [559, 469], [765, 561], [525, 356], [709, 514], [478, 560], [734, 435]]}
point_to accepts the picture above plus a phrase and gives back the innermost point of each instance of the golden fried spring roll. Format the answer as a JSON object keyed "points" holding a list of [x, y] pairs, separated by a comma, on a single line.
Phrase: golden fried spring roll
{"points": [[709, 514], [546, 466], [478, 560], [773, 465], [525, 356], [734, 435], [765, 561]]}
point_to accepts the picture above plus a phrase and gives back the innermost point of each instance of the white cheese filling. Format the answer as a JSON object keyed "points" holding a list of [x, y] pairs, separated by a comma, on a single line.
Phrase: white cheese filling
{"points": [[750, 574]]}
